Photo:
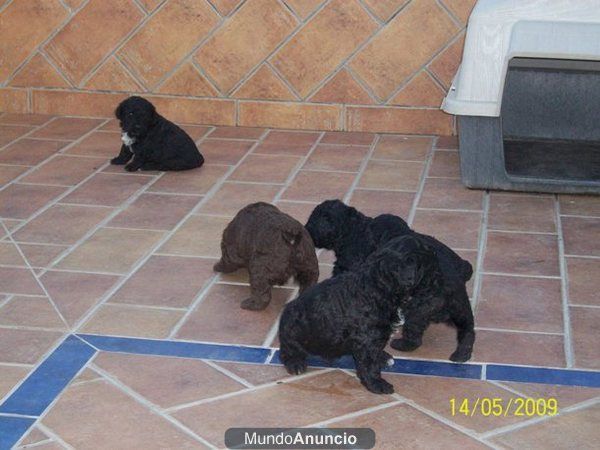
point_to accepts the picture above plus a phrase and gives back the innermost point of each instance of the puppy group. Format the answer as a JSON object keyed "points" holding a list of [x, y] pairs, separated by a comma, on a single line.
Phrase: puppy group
{"points": [[385, 274]]}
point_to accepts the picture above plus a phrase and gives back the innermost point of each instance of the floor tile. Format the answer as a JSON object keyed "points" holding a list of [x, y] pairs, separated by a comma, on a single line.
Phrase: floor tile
{"points": [[322, 397], [111, 250], [447, 142], [18, 281], [448, 193], [194, 131], [414, 429], [345, 158], [315, 187], [565, 395], [9, 173], [527, 254], [19, 201], [513, 303], [347, 138], [291, 137], [223, 151], [580, 205], [62, 224], [237, 133], [445, 164], [521, 213], [578, 429], [10, 376], [197, 181], [399, 175], [10, 255], [69, 128], [122, 320], [111, 125], [25, 346], [299, 211], [257, 374], [25, 119], [40, 255], [108, 420], [373, 203], [439, 342], [219, 317], [581, 236], [75, 293], [583, 276], [29, 152], [33, 436], [64, 170], [585, 336], [166, 281], [167, 382], [107, 189], [198, 236], [99, 144], [36, 312], [231, 197], [265, 168], [9, 133], [281, 148], [402, 148], [519, 348], [455, 229], [155, 211]]}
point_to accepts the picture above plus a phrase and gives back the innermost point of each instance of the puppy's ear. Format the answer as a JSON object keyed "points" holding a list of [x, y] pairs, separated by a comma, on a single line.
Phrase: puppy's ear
{"points": [[396, 269]]}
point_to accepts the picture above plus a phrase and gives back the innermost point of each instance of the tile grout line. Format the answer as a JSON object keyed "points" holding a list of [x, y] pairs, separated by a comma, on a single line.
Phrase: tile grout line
{"points": [[55, 438], [520, 275], [481, 248], [362, 169], [355, 414], [230, 374], [211, 192], [149, 405], [564, 287], [272, 333], [421, 186]]}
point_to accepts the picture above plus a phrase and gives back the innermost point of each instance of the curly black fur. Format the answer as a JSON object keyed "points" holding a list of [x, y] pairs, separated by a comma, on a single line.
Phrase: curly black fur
{"points": [[152, 141], [354, 312], [272, 246], [354, 236]]}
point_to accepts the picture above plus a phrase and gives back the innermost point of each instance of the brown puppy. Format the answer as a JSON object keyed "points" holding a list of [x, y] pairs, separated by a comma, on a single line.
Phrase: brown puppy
{"points": [[272, 246]]}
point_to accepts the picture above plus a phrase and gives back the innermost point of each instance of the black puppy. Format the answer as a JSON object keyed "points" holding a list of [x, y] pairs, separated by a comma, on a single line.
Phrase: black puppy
{"points": [[354, 312], [154, 142], [354, 236]]}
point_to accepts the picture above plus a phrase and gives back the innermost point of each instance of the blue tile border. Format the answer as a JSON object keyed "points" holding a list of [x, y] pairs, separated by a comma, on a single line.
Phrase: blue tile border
{"points": [[37, 392]]}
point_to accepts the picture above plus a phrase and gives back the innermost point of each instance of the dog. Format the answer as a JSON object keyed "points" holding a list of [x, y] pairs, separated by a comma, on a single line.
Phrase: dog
{"points": [[273, 246], [354, 312], [354, 236], [152, 142]]}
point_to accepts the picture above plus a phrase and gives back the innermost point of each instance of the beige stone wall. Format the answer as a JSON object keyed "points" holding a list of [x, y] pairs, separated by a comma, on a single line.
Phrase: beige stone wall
{"points": [[357, 65]]}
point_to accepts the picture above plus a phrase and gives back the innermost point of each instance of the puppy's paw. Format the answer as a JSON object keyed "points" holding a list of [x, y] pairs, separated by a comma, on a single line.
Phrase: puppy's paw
{"points": [[403, 345], [460, 356], [223, 268], [131, 167], [117, 161], [379, 386], [253, 304], [296, 367], [386, 360]]}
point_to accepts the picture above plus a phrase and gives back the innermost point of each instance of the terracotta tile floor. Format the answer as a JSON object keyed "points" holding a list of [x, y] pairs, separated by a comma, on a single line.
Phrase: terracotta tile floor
{"points": [[80, 252]]}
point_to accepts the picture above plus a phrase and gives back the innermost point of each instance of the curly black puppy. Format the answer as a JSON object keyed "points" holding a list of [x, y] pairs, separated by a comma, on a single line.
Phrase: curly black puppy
{"points": [[354, 312], [152, 141], [354, 236], [272, 246]]}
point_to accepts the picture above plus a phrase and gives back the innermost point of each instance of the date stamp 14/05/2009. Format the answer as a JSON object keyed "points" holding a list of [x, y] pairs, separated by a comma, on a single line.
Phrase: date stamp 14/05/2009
{"points": [[501, 407]]}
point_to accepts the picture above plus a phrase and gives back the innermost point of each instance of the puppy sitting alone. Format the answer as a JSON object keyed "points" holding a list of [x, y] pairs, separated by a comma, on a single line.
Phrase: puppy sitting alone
{"points": [[272, 246], [353, 313], [354, 236], [152, 141]]}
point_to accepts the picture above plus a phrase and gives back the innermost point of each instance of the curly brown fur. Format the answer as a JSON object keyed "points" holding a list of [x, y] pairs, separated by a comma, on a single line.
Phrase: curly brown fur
{"points": [[353, 313], [272, 246], [354, 236], [152, 142]]}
